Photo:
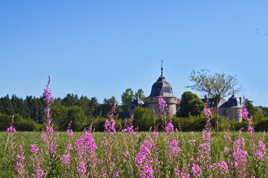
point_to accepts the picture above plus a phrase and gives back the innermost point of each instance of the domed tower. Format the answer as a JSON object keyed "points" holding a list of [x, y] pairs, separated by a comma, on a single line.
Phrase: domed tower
{"points": [[161, 88]]}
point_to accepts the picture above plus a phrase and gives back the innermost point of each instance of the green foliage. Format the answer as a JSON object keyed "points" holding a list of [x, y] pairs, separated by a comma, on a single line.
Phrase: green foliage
{"points": [[262, 125], [264, 110], [128, 95], [144, 119], [98, 124], [191, 123], [20, 123], [190, 104], [63, 116], [255, 112], [234, 125]]}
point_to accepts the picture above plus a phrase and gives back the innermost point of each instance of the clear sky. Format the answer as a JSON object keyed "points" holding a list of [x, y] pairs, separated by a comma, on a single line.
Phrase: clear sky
{"points": [[100, 48]]}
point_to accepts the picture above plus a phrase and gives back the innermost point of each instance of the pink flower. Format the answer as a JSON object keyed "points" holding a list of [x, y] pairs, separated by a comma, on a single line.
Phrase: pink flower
{"points": [[129, 129], [21, 157], [70, 132], [196, 170], [260, 154], [117, 174], [85, 144], [143, 160], [47, 95], [244, 113], [181, 174], [226, 150], [250, 129], [109, 125], [66, 159], [192, 142], [162, 104], [169, 127], [49, 129], [155, 133], [81, 168], [240, 158], [11, 129], [34, 148], [239, 142], [227, 137], [261, 146], [173, 147], [69, 147], [39, 173], [207, 112], [222, 167]]}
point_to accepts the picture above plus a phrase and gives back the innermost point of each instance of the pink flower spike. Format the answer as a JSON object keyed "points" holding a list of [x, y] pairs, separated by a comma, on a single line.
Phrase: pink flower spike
{"points": [[196, 170], [34, 148], [244, 113], [162, 104], [207, 112], [169, 127], [11, 129], [70, 132], [21, 157]]}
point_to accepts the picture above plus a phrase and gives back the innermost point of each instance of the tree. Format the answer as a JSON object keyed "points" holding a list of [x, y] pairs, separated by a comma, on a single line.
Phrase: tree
{"points": [[190, 104], [216, 86], [70, 100], [127, 97], [140, 94], [255, 112], [92, 107]]}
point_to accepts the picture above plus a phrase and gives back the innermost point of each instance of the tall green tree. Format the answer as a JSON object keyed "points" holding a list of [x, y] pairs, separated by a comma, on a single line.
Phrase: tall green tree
{"points": [[127, 96], [190, 104], [140, 94]]}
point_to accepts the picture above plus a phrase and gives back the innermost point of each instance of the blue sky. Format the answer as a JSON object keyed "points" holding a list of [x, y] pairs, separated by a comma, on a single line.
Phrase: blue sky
{"points": [[100, 48]]}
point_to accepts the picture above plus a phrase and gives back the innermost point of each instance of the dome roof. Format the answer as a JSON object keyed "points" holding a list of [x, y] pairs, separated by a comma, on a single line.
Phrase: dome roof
{"points": [[161, 88]]}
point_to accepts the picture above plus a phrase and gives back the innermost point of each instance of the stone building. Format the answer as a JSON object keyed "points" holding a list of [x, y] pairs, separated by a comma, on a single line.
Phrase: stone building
{"points": [[231, 108], [162, 88]]}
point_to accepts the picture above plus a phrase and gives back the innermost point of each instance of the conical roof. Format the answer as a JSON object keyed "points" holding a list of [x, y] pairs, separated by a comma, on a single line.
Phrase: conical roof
{"points": [[161, 87]]}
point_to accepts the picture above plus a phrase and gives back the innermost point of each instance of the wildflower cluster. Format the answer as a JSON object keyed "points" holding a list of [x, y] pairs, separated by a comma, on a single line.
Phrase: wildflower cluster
{"points": [[109, 125], [129, 129], [143, 160]]}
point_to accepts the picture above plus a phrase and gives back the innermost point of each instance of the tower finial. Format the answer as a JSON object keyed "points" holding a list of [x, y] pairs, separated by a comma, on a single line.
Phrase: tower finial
{"points": [[162, 68]]}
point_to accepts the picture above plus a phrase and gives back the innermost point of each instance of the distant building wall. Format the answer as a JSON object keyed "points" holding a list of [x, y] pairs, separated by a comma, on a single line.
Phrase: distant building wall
{"points": [[232, 113]]}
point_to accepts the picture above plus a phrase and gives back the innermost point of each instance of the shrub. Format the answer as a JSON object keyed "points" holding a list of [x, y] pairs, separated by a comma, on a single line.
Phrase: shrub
{"points": [[144, 119], [262, 125], [190, 104], [20, 123], [191, 123]]}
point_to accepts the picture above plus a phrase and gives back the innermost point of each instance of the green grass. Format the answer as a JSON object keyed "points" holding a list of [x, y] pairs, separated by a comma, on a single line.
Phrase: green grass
{"points": [[119, 143]]}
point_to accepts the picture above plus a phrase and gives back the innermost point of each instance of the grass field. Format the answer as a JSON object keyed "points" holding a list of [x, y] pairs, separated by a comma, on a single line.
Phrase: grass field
{"points": [[116, 155]]}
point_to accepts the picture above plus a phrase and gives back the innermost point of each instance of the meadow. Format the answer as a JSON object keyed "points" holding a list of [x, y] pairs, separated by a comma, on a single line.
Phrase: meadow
{"points": [[129, 153], [133, 154]]}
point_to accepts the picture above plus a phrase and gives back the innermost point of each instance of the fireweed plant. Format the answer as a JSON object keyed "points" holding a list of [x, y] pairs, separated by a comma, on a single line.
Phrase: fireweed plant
{"points": [[129, 153]]}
